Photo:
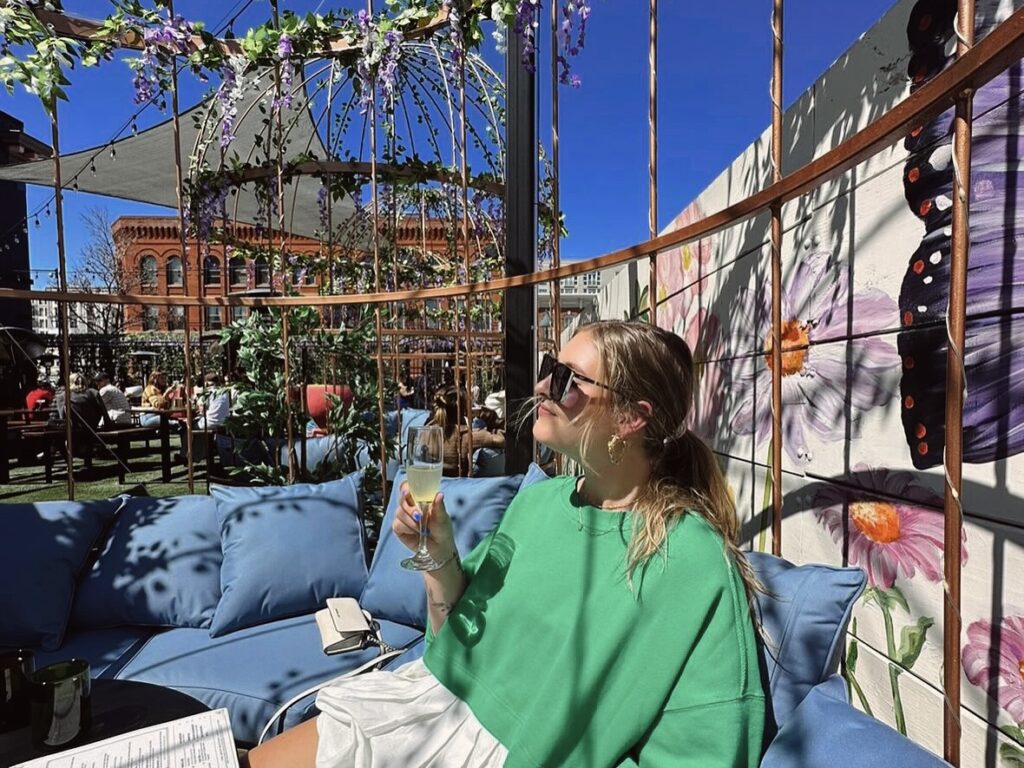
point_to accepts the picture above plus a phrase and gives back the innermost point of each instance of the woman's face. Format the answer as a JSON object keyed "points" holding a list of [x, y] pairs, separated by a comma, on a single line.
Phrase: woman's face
{"points": [[559, 425]]}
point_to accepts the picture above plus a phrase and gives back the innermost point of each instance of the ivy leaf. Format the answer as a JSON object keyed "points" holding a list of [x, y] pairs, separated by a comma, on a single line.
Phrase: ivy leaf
{"points": [[912, 640]]}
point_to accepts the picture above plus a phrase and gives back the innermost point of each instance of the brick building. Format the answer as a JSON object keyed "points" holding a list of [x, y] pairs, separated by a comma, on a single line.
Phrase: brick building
{"points": [[151, 249]]}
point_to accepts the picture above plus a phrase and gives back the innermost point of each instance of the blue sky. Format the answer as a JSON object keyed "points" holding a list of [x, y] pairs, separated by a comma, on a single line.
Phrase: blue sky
{"points": [[714, 67]]}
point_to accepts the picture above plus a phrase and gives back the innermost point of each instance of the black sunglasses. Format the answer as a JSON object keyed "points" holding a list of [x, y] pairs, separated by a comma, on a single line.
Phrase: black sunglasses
{"points": [[562, 377]]}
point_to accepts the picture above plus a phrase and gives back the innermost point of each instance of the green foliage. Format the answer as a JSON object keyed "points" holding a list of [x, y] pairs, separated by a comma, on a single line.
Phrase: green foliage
{"points": [[912, 638], [886, 598], [263, 410]]}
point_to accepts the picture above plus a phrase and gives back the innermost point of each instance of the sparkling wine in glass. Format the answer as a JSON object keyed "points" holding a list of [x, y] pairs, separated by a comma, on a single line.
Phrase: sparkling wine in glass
{"points": [[423, 464]]}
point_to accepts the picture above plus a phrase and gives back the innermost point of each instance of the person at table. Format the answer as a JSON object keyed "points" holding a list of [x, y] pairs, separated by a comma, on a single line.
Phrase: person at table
{"points": [[446, 411], [217, 406], [39, 398], [87, 408], [116, 401], [155, 395], [607, 621]]}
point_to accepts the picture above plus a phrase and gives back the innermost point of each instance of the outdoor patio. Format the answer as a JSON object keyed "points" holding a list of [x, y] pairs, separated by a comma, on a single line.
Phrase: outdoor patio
{"points": [[349, 222]]}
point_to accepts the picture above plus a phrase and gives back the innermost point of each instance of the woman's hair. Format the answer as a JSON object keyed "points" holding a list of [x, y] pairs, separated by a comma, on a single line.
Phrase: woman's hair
{"points": [[643, 362], [78, 382], [445, 409], [154, 378]]}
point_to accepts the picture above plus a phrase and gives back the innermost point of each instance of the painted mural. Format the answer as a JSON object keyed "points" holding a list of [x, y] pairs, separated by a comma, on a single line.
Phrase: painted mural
{"points": [[865, 291]]}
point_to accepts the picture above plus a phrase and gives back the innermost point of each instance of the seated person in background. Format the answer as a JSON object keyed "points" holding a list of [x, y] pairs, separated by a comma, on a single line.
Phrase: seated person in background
{"points": [[118, 407], [154, 396], [446, 411], [87, 408], [39, 398], [218, 403]]}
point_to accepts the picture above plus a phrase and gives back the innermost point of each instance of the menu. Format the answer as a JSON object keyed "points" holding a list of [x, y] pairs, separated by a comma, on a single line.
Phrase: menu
{"points": [[199, 741]]}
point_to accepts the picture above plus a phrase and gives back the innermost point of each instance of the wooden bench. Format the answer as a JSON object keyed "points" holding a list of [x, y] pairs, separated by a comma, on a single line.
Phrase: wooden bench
{"points": [[118, 441]]}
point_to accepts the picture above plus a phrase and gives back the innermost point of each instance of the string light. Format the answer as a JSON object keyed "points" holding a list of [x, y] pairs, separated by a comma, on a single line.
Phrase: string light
{"points": [[92, 167], [135, 127], [74, 183], [113, 152]]}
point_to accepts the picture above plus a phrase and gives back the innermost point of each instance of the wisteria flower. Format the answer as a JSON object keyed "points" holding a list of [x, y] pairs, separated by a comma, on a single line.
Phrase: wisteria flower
{"points": [[1004, 682], [819, 381], [895, 526]]}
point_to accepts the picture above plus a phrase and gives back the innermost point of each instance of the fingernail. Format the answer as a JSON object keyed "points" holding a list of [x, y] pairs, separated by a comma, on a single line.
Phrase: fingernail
{"points": [[416, 516]]}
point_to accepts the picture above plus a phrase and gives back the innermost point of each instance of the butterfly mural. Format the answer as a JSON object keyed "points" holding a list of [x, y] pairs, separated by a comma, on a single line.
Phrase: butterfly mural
{"points": [[993, 416]]}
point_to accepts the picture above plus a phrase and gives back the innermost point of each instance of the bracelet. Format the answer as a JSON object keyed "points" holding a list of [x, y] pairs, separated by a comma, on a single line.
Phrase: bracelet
{"points": [[454, 555]]}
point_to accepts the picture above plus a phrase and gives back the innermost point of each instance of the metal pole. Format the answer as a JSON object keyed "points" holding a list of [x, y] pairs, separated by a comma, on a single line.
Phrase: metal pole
{"points": [[652, 165], [556, 237], [180, 196], [468, 303], [65, 323], [776, 266], [955, 386], [520, 313]]}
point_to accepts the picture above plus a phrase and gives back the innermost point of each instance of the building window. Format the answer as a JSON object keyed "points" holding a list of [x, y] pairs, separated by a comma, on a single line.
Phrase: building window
{"points": [[236, 271], [147, 271], [238, 314], [175, 318], [211, 271], [211, 318], [592, 280], [262, 273], [174, 274], [149, 318]]}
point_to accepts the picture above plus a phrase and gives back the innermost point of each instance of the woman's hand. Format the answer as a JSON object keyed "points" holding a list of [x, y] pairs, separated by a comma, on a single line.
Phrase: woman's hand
{"points": [[440, 536]]}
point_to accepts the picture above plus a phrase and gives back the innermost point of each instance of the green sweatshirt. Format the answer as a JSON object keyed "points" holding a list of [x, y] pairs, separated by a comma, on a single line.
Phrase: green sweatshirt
{"points": [[566, 666]]}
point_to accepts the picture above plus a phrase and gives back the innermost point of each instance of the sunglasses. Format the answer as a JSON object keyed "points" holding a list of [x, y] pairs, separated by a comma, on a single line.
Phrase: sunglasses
{"points": [[563, 378]]}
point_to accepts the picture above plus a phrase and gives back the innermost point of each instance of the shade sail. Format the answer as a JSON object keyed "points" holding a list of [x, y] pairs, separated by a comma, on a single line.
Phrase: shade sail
{"points": [[143, 166]]}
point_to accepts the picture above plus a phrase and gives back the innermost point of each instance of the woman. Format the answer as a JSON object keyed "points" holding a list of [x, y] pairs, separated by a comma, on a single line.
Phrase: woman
{"points": [[605, 622], [87, 408], [155, 395], [446, 411]]}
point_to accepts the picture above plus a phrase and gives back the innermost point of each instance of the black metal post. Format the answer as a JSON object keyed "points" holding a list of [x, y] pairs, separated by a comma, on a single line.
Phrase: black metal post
{"points": [[520, 358]]}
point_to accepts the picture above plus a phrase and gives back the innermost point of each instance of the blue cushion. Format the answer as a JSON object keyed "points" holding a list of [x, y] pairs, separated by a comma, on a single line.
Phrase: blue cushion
{"points": [[251, 672], [534, 474], [106, 650], [826, 730], [804, 615], [287, 549], [160, 567], [475, 505], [43, 549]]}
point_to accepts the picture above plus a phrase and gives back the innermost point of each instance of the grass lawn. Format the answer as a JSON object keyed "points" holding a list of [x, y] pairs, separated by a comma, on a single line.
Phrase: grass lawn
{"points": [[28, 480]]}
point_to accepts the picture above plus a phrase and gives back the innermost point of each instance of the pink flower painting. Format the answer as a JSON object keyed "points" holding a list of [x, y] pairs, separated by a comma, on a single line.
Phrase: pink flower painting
{"points": [[998, 666], [898, 532], [679, 270], [820, 382]]}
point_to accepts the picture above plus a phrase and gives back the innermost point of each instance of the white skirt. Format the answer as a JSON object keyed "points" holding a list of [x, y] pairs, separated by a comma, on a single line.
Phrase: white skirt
{"points": [[405, 719]]}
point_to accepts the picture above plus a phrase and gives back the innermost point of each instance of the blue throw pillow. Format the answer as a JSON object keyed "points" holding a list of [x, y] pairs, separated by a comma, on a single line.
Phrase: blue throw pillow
{"points": [[804, 616], [43, 549], [160, 567], [475, 505], [534, 474], [287, 549]]}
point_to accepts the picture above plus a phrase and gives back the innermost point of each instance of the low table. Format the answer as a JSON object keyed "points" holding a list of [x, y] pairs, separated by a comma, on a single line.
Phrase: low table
{"points": [[118, 706]]}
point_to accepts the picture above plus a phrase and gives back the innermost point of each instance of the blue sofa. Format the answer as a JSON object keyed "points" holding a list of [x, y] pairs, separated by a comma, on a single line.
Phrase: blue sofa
{"points": [[215, 595]]}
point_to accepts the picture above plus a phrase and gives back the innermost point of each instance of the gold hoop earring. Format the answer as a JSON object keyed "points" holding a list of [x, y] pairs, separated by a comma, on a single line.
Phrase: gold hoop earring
{"points": [[616, 447]]}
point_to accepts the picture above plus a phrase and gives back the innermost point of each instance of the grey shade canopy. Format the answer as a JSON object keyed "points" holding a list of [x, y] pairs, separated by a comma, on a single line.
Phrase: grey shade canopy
{"points": [[143, 169]]}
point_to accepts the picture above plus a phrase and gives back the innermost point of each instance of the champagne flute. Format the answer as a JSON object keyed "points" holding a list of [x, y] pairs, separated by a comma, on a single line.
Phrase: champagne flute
{"points": [[424, 461]]}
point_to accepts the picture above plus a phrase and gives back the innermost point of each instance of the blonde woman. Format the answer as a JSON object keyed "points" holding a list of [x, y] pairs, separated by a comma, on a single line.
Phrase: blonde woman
{"points": [[605, 622], [445, 412]]}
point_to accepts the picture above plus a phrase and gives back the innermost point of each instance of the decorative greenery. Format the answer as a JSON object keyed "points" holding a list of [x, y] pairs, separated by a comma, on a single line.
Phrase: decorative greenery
{"points": [[264, 405]]}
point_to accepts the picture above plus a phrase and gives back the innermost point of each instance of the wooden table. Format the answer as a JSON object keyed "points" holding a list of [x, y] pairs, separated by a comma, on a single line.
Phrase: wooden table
{"points": [[53, 436]]}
